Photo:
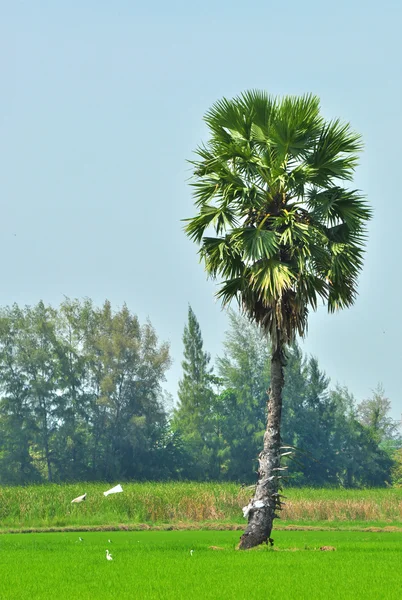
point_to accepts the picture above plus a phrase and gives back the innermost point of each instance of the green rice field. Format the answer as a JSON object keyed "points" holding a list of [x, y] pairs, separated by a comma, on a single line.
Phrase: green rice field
{"points": [[159, 565], [150, 530]]}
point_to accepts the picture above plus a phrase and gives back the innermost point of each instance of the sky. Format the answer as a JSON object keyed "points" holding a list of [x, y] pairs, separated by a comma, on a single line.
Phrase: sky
{"points": [[101, 107]]}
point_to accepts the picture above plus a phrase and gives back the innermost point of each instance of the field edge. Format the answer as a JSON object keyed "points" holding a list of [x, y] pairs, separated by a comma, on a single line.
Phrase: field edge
{"points": [[196, 527]]}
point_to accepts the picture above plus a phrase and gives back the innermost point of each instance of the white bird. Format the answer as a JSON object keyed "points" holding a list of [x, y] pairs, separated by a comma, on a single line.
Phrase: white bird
{"points": [[114, 490], [257, 504], [108, 555], [79, 498], [191, 552]]}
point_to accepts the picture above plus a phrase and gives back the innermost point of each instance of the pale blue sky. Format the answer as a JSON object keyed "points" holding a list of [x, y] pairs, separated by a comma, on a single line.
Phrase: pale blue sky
{"points": [[101, 104]]}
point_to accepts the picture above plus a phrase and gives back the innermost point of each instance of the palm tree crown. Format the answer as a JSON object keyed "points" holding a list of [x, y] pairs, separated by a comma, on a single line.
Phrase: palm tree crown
{"points": [[287, 233]]}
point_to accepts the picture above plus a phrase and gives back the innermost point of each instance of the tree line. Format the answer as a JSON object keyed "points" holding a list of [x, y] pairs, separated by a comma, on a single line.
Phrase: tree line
{"points": [[81, 395], [81, 398], [328, 439]]}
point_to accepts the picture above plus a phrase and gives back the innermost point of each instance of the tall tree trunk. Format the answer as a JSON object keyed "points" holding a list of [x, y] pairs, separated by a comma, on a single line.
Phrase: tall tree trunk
{"points": [[266, 498]]}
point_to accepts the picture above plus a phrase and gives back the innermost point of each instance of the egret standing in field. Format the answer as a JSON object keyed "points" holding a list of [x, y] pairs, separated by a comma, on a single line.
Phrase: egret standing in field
{"points": [[108, 555]]}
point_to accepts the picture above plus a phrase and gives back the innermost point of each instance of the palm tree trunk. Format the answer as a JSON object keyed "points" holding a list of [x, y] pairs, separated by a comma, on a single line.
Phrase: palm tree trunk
{"points": [[260, 518]]}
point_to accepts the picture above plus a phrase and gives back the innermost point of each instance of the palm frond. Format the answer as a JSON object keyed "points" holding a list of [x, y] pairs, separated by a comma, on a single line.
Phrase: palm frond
{"points": [[257, 243], [231, 289], [222, 257], [228, 120], [336, 205], [219, 217], [335, 155], [297, 125], [270, 279]]}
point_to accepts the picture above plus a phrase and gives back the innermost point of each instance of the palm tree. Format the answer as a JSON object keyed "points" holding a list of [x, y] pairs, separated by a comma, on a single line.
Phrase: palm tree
{"points": [[279, 231]]}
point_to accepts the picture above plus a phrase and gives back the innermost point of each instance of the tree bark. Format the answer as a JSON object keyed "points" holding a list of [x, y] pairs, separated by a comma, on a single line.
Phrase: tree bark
{"points": [[260, 518]]}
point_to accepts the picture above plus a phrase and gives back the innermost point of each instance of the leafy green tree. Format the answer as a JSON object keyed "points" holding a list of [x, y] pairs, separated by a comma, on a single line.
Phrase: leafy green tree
{"points": [[38, 359], [194, 415], [17, 424], [373, 413], [382, 436], [397, 468], [81, 395], [244, 371], [268, 184], [315, 428], [331, 447], [125, 368], [310, 422], [357, 458], [73, 433]]}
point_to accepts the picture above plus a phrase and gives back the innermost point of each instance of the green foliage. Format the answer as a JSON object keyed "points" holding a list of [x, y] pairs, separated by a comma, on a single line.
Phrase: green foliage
{"points": [[331, 446], [81, 399], [328, 445], [195, 419], [81, 394], [373, 413], [397, 467], [244, 370], [287, 233]]}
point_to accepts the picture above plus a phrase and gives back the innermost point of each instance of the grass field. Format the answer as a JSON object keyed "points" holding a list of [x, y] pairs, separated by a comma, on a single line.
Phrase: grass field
{"points": [[158, 565], [185, 504]]}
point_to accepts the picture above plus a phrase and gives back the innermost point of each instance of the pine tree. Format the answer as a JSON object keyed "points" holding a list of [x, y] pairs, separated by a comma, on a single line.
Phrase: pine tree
{"points": [[194, 417]]}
